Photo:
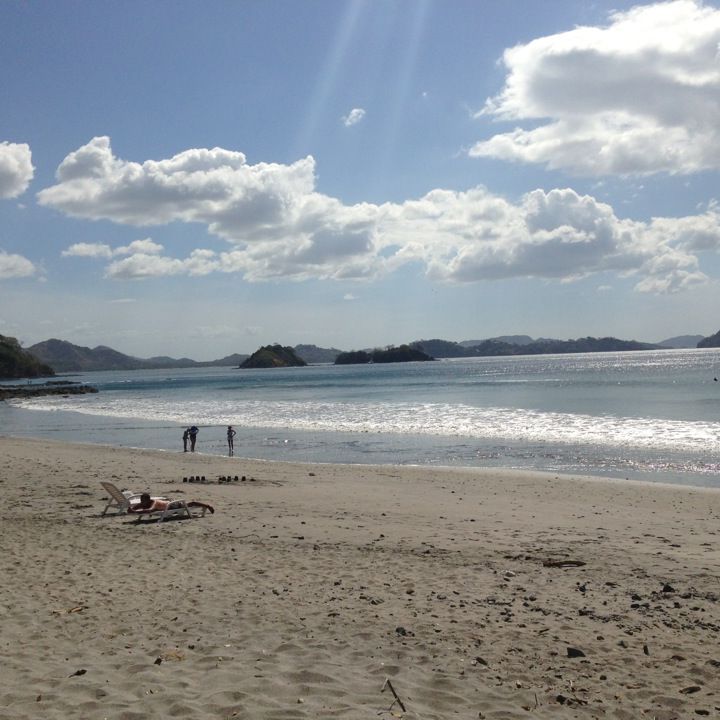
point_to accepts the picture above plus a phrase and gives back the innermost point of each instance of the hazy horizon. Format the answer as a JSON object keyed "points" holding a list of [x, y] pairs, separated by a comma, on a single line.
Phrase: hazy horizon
{"points": [[199, 179], [250, 351]]}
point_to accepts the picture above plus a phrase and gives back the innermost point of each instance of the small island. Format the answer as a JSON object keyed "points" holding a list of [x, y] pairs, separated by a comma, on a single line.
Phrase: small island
{"points": [[272, 356], [403, 353]]}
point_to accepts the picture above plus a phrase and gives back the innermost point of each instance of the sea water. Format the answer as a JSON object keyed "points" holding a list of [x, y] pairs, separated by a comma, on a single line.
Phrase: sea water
{"points": [[651, 415]]}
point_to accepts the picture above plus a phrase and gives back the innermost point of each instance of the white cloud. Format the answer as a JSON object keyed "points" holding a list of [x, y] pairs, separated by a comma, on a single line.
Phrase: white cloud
{"points": [[144, 266], [102, 250], [353, 117], [146, 247], [16, 169], [15, 266], [91, 250], [638, 96], [278, 226]]}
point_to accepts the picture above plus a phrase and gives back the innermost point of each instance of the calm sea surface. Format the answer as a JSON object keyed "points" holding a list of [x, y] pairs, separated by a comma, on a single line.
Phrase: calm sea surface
{"points": [[643, 415]]}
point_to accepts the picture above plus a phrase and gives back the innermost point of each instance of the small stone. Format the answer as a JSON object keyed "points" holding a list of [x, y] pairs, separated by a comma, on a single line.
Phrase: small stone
{"points": [[691, 689], [575, 653], [668, 588]]}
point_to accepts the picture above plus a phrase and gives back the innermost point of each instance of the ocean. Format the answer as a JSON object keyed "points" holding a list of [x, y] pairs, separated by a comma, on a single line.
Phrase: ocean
{"points": [[652, 415]]}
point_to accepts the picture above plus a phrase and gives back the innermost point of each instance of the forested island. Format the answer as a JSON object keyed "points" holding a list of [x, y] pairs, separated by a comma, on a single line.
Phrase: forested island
{"points": [[270, 356], [403, 353]]}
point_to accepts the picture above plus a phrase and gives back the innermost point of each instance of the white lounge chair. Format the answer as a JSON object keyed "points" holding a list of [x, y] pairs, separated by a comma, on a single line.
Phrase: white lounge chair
{"points": [[122, 500], [175, 508]]}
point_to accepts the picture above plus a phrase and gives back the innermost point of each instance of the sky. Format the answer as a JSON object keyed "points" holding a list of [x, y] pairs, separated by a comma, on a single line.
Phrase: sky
{"points": [[200, 178]]}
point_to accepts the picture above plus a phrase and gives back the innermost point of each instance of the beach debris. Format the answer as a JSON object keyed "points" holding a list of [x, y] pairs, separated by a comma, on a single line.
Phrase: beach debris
{"points": [[82, 671], [691, 689], [387, 684], [174, 654], [668, 588], [70, 611], [563, 563], [575, 652]]}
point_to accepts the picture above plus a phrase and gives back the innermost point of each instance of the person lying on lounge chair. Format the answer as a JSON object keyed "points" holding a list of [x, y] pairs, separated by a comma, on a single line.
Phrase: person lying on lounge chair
{"points": [[148, 505]]}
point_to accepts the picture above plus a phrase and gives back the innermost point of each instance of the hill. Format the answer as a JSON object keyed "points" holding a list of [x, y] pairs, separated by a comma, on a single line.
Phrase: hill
{"points": [[681, 341], [270, 356], [510, 339], [443, 348], [63, 356], [710, 341], [314, 354], [18, 363], [403, 353], [496, 347]]}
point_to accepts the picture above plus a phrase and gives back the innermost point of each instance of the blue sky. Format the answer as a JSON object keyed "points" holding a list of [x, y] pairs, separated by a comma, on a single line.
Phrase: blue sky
{"points": [[200, 178]]}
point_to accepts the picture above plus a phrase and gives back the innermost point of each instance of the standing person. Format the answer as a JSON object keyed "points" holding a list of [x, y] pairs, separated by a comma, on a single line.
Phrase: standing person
{"points": [[231, 444], [193, 437], [186, 437]]}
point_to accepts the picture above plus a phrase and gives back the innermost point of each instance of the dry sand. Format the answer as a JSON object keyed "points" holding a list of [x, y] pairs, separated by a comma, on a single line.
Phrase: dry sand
{"points": [[312, 585]]}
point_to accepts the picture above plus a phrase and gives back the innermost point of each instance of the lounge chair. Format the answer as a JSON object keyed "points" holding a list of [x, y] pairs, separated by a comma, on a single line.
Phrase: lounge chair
{"points": [[175, 508], [120, 499]]}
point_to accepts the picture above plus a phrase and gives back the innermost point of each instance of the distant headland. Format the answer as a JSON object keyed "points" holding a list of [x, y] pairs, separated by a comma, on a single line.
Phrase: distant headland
{"points": [[52, 356]]}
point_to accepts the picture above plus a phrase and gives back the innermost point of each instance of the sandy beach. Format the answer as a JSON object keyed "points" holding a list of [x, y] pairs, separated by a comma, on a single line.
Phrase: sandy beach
{"points": [[476, 593]]}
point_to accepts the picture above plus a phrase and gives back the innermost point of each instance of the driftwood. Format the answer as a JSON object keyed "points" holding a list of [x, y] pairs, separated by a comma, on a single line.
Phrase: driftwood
{"points": [[563, 563], [388, 684]]}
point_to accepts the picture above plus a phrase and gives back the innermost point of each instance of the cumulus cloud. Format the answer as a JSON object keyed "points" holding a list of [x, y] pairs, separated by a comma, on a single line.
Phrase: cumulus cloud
{"points": [[353, 117], [15, 266], [472, 236], [640, 95], [278, 226], [16, 169], [91, 250]]}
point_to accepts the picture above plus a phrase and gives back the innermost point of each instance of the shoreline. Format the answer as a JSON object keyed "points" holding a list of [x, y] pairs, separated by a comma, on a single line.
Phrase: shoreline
{"points": [[479, 593]]}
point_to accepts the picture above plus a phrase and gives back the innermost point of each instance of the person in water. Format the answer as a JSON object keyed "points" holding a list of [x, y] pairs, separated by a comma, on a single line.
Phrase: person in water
{"points": [[148, 505], [186, 437], [231, 443]]}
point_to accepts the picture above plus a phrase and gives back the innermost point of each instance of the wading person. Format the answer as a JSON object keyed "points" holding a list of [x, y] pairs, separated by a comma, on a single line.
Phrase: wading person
{"points": [[231, 443]]}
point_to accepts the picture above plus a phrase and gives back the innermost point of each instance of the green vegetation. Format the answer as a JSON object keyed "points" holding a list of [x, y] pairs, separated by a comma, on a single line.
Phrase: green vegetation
{"points": [[270, 356], [403, 353], [18, 363]]}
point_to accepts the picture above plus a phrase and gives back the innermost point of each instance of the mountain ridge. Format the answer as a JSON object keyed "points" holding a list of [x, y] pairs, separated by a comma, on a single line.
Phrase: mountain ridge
{"points": [[63, 356]]}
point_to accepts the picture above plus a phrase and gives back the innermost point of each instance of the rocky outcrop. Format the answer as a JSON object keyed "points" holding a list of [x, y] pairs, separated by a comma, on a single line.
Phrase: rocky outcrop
{"points": [[59, 387]]}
